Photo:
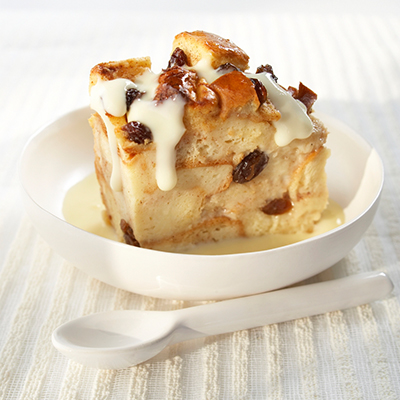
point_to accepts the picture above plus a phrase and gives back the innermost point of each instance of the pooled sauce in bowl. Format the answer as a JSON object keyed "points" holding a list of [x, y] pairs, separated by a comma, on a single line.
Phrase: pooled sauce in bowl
{"points": [[84, 209]]}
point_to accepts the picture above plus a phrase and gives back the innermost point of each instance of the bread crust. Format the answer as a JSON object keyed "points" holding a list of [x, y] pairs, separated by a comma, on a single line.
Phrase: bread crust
{"points": [[198, 45]]}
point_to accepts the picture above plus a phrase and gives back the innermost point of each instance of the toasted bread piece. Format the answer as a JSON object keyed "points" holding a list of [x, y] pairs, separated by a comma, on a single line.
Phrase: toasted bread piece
{"points": [[200, 45], [128, 69]]}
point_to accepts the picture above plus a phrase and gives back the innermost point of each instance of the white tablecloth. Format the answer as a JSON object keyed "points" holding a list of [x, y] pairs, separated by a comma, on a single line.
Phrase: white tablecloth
{"points": [[349, 55]]}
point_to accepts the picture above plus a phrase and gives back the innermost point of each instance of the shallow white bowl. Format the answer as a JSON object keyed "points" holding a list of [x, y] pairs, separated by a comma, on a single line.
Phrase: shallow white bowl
{"points": [[61, 154]]}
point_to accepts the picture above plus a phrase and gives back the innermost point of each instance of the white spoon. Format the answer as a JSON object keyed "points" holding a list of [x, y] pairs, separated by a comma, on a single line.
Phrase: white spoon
{"points": [[120, 339]]}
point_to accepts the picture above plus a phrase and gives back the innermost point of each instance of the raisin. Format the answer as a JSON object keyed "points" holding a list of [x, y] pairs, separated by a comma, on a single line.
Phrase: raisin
{"points": [[129, 237], [278, 206], [131, 95], [174, 81], [178, 58], [260, 90], [137, 132], [250, 166], [303, 94], [227, 67], [268, 69]]}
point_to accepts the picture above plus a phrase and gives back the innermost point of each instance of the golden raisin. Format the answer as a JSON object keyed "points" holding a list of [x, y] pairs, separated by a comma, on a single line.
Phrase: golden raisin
{"points": [[174, 81], [278, 206]]}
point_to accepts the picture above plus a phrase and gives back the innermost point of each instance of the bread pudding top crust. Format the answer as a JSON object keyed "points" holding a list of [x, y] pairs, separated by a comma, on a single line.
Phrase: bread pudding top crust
{"points": [[205, 82]]}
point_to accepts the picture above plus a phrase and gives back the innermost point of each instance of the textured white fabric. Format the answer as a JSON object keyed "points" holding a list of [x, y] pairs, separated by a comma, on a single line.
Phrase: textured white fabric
{"points": [[349, 56]]}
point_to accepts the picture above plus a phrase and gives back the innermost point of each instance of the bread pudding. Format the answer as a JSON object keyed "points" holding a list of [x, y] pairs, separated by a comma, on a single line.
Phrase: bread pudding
{"points": [[205, 150]]}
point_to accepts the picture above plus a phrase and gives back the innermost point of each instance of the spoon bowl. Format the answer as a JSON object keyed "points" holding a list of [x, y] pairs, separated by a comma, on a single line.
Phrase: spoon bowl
{"points": [[115, 339], [120, 339]]}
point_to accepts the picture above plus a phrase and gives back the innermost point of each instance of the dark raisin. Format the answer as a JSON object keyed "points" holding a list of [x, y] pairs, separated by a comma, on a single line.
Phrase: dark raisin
{"points": [[303, 94], [178, 58], [278, 206], [260, 90], [131, 95], [268, 69], [227, 67], [137, 132], [250, 166], [129, 237]]}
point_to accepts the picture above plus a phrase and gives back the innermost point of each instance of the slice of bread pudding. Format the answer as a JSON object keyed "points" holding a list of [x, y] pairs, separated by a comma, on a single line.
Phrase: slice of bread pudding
{"points": [[205, 151]]}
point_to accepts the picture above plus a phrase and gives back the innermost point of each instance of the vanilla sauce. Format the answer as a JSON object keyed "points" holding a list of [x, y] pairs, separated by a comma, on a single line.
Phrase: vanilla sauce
{"points": [[165, 119]]}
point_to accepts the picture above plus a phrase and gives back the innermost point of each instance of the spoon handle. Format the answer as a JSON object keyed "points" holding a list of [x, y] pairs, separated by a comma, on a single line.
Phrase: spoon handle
{"points": [[281, 305]]}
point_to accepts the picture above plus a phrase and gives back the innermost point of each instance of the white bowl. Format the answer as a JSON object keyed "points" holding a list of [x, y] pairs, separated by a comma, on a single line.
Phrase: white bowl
{"points": [[61, 154]]}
